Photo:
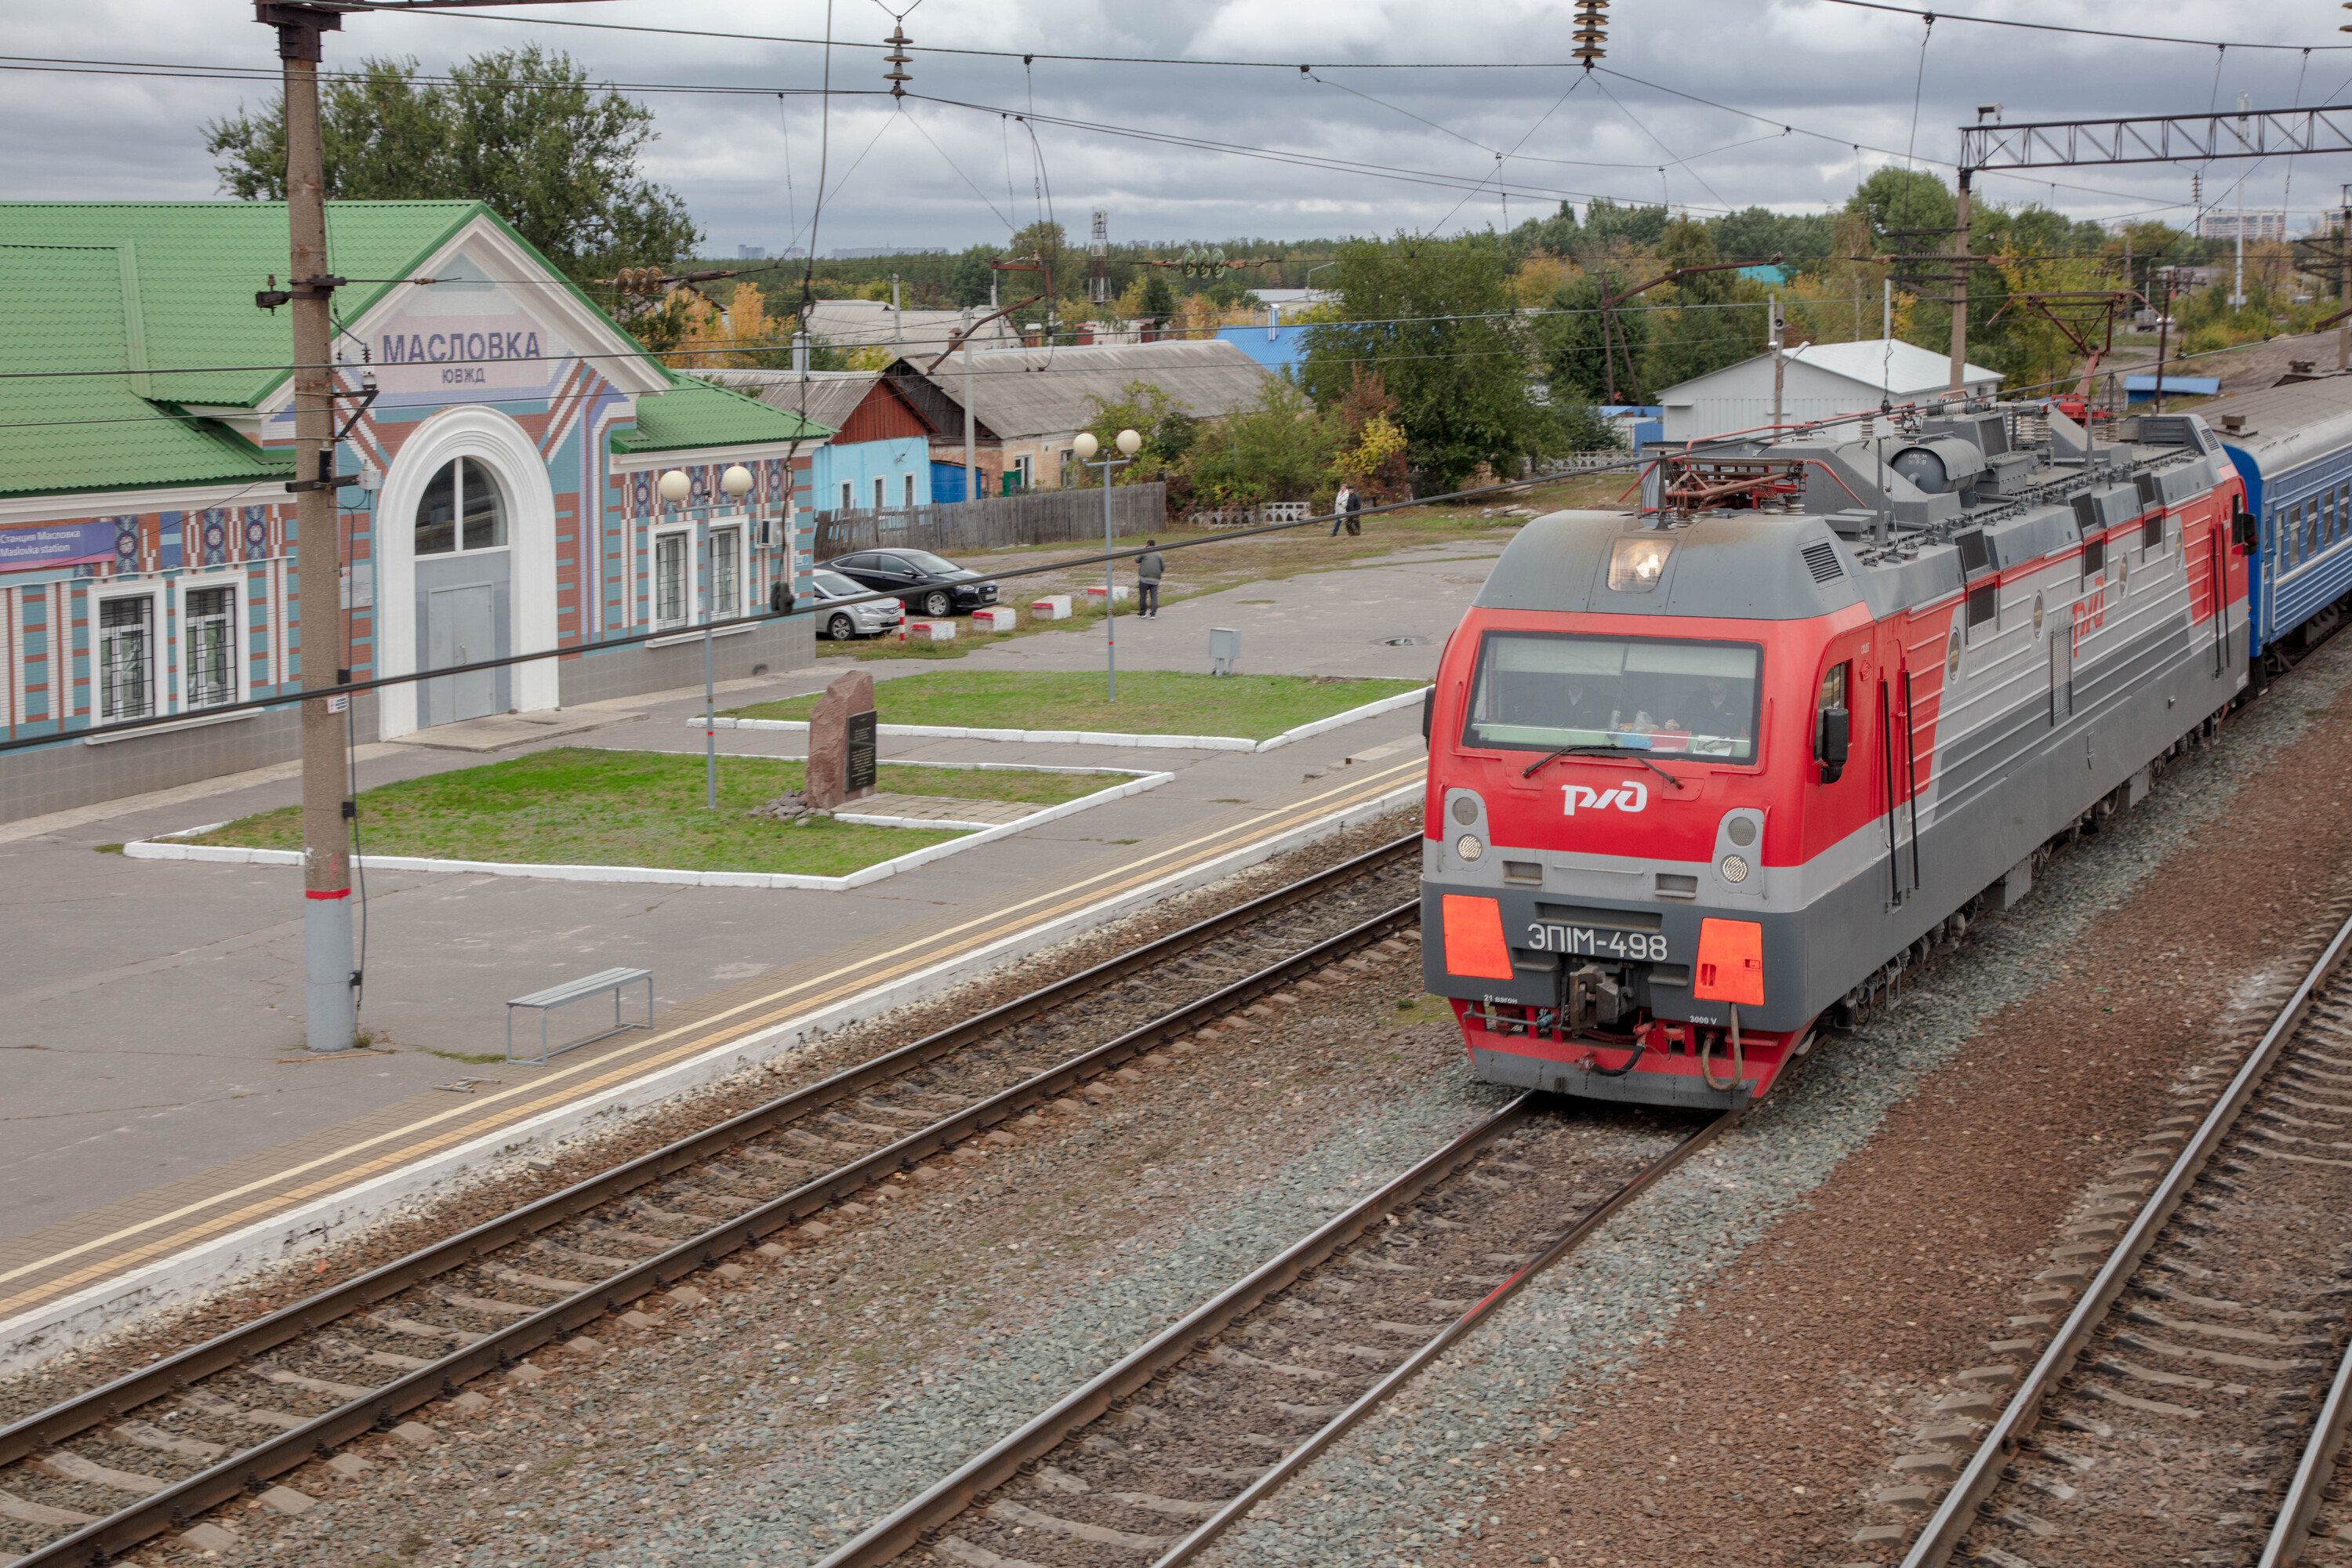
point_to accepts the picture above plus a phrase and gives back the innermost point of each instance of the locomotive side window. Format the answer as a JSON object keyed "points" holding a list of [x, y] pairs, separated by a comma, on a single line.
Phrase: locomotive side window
{"points": [[1832, 722], [2094, 558], [1984, 605], [1543, 690]]}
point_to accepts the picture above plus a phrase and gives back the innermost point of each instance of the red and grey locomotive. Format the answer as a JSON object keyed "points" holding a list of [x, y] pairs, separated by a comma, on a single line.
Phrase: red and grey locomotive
{"points": [[1704, 775]]}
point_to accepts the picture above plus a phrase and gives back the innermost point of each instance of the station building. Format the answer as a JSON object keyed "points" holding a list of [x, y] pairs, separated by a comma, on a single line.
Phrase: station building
{"points": [[500, 490]]}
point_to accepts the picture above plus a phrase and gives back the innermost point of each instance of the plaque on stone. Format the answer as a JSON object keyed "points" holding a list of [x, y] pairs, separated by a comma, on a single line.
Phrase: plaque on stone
{"points": [[863, 753]]}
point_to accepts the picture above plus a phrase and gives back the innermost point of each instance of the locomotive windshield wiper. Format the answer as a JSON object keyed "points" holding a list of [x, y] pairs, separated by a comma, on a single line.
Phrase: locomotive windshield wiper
{"points": [[1636, 752]]}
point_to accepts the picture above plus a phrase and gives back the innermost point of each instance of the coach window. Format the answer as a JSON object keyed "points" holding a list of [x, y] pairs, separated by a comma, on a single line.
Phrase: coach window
{"points": [[2344, 509]]}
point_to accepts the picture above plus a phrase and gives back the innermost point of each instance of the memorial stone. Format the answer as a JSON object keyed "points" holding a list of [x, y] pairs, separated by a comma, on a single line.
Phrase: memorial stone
{"points": [[829, 764]]}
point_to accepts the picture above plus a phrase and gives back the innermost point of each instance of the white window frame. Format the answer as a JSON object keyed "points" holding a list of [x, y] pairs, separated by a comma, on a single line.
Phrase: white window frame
{"points": [[727, 606], [849, 495], [189, 651], [909, 491], [881, 493], [683, 539], [150, 708], [1025, 465]]}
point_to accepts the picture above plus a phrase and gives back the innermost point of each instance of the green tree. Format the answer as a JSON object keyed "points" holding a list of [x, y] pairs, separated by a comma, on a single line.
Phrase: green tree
{"points": [[1573, 340], [1158, 299], [1280, 450], [1552, 235], [520, 129], [1705, 321], [1145, 408], [1637, 226], [1435, 318]]}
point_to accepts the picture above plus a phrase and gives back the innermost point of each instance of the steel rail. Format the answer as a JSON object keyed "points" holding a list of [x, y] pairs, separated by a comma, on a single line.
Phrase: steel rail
{"points": [[946, 1499], [498, 1349], [2291, 1532], [1405, 1371], [1957, 1515]]}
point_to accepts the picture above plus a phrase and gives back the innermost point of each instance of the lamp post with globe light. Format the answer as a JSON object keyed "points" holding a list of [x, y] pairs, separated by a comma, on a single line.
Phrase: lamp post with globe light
{"points": [[1086, 446], [675, 488]]}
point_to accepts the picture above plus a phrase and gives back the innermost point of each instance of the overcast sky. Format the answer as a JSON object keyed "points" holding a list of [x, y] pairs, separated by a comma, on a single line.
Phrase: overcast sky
{"points": [[938, 173]]}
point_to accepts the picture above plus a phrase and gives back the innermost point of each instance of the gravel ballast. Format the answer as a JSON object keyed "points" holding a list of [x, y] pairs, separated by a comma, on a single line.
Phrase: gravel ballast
{"points": [[1728, 1375]]}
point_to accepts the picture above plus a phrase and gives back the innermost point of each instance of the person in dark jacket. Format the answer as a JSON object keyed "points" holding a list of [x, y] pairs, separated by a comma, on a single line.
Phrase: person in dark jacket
{"points": [[1150, 567], [1355, 510]]}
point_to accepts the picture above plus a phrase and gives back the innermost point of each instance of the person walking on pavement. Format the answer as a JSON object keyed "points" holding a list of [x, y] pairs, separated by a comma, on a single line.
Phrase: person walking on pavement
{"points": [[1339, 508], [1149, 569]]}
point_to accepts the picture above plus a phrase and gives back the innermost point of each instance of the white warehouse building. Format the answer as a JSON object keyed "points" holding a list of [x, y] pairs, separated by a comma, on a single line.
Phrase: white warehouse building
{"points": [[1821, 381]]}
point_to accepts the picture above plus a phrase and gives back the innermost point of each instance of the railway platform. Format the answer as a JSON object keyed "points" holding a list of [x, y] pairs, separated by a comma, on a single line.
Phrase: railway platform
{"points": [[178, 1136]]}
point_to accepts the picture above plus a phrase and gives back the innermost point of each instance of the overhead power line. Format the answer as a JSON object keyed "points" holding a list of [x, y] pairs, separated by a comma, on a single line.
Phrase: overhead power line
{"points": [[1942, 16]]}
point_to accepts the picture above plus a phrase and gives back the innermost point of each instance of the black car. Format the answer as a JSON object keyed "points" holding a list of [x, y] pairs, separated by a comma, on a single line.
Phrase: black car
{"points": [[926, 583]]}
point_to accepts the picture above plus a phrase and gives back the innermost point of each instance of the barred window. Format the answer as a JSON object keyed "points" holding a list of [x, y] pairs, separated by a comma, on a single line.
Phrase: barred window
{"points": [[726, 573], [669, 580], [208, 637], [126, 656]]}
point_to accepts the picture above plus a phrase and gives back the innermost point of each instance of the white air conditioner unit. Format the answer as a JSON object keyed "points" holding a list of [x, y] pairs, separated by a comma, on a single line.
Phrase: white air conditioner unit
{"points": [[767, 532]]}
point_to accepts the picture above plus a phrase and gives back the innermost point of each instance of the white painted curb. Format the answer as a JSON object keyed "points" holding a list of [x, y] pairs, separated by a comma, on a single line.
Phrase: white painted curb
{"points": [[112, 1305], [1089, 738], [985, 833]]}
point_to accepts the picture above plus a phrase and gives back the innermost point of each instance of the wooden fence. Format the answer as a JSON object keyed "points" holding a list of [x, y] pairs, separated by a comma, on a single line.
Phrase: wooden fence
{"points": [[1040, 517]]}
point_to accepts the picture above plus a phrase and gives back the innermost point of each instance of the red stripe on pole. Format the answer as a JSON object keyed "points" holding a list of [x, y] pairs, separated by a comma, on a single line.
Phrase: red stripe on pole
{"points": [[338, 894]]}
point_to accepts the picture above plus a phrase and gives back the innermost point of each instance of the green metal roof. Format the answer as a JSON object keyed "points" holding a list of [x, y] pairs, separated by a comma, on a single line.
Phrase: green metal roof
{"points": [[199, 264], [162, 291], [64, 308], [696, 414]]}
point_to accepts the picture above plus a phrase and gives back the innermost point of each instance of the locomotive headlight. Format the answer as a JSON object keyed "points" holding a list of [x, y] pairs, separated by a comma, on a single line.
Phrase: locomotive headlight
{"points": [[1734, 868], [1635, 564], [1468, 847]]}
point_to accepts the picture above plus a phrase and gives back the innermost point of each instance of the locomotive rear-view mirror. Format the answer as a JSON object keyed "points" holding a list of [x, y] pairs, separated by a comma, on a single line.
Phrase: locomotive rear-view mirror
{"points": [[2243, 530], [1833, 743]]}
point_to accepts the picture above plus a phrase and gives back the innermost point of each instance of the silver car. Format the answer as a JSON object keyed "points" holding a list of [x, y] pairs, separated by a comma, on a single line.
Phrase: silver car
{"points": [[847, 621]]}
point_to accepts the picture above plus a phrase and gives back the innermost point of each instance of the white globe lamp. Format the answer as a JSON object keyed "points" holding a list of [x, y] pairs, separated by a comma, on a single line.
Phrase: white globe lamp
{"points": [[675, 486], [1086, 446], [736, 480], [1129, 442]]}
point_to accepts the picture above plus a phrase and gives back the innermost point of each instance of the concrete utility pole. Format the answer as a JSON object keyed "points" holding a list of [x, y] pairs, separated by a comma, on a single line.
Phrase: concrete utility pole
{"points": [[1780, 364], [2343, 282], [1886, 312], [329, 977], [1960, 288]]}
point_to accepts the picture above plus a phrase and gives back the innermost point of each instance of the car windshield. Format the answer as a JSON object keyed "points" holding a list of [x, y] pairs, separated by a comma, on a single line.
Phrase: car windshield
{"points": [[924, 560], [832, 584], [1543, 690]]}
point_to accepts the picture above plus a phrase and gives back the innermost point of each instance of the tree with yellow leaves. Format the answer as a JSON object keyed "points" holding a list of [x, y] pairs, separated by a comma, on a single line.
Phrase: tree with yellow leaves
{"points": [[743, 337]]}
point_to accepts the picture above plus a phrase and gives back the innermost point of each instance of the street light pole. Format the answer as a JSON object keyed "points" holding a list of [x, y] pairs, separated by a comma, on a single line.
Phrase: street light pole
{"points": [[1086, 446]]}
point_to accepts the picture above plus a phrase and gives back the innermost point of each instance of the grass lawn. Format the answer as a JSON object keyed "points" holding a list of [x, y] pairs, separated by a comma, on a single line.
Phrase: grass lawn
{"points": [[1151, 702], [576, 807]]}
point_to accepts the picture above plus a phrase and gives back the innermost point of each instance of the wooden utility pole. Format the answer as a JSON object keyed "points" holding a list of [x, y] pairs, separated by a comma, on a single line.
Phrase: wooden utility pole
{"points": [[329, 978]]}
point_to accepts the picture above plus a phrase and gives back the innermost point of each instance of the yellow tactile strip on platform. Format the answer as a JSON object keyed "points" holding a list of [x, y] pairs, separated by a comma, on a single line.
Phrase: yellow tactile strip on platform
{"points": [[74, 1253]]}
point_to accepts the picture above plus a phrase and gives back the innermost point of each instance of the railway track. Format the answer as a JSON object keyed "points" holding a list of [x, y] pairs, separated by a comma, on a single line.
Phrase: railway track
{"points": [[152, 1451], [1157, 1456], [2192, 1406]]}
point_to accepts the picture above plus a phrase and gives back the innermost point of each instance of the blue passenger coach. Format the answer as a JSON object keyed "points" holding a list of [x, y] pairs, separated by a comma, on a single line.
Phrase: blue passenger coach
{"points": [[2293, 445]]}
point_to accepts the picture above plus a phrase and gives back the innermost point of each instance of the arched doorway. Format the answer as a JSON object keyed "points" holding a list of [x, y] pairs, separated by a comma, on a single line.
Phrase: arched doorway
{"points": [[464, 554]]}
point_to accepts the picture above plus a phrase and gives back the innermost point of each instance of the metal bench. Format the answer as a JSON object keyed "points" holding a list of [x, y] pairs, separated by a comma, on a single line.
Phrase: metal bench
{"points": [[610, 980]]}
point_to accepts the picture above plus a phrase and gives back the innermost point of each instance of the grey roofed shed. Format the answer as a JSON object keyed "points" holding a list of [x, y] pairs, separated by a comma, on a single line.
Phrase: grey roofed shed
{"points": [[1044, 392], [832, 396]]}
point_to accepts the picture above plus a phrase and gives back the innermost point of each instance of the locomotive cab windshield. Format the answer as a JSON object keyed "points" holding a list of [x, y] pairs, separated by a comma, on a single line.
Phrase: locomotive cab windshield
{"points": [[1544, 691]]}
